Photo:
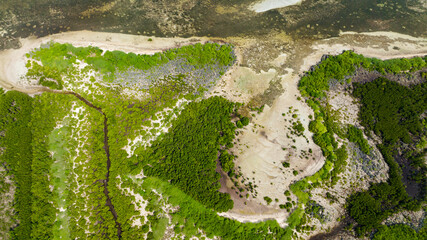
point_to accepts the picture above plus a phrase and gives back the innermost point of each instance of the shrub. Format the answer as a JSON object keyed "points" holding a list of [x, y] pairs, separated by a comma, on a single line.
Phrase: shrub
{"points": [[268, 200]]}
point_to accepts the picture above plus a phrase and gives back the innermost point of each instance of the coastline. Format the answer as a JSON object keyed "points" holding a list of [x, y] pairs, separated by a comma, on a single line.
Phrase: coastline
{"points": [[12, 67], [12, 61]]}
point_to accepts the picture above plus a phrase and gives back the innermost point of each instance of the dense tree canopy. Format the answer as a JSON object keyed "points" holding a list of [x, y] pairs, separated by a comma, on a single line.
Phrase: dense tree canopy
{"points": [[187, 154], [16, 139], [393, 112]]}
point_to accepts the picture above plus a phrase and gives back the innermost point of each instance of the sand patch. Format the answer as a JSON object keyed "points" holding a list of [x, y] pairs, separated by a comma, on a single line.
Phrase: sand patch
{"points": [[265, 144], [265, 5], [345, 105], [252, 83]]}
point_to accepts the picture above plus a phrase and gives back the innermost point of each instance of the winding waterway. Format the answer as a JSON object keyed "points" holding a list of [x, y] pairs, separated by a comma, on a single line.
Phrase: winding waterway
{"points": [[107, 153]]}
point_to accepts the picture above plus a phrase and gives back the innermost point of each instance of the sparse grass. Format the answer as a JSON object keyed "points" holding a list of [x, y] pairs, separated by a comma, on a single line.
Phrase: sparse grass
{"points": [[160, 228]]}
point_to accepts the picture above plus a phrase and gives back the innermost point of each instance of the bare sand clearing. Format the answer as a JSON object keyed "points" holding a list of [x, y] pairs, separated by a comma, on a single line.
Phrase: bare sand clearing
{"points": [[260, 152], [264, 145], [12, 61], [265, 5], [247, 82]]}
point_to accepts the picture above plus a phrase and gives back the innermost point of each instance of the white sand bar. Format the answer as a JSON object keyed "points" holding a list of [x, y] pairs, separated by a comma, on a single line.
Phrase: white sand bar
{"points": [[266, 5]]}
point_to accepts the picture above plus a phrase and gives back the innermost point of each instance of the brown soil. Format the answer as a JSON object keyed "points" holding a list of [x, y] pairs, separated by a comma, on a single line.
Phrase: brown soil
{"points": [[338, 232]]}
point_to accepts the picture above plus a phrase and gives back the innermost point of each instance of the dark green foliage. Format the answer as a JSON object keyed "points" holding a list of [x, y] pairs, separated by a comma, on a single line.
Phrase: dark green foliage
{"points": [[398, 232], [340, 163], [298, 127], [366, 210], [244, 121], [268, 200], [187, 154], [419, 171], [286, 164], [315, 83], [391, 110], [16, 138], [356, 135], [226, 160]]}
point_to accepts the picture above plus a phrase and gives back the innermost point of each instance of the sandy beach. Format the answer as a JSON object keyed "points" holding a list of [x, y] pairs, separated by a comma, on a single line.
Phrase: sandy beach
{"points": [[12, 61]]}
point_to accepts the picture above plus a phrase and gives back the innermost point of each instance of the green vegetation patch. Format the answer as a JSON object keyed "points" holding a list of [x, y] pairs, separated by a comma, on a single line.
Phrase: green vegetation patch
{"points": [[48, 109], [192, 216], [315, 83], [16, 138], [393, 112], [398, 232], [187, 154], [355, 135], [59, 168], [59, 60], [387, 104]]}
